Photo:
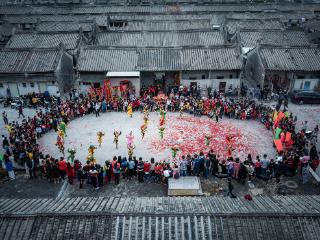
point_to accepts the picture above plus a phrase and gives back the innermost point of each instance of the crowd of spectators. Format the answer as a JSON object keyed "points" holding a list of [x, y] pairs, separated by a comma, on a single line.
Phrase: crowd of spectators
{"points": [[22, 146]]}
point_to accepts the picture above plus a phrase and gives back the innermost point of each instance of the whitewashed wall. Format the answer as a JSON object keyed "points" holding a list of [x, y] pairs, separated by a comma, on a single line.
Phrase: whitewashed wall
{"points": [[213, 83], [18, 88]]}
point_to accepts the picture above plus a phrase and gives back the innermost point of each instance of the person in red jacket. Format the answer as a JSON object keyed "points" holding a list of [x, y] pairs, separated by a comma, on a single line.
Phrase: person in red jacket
{"points": [[62, 166], [70, 173]]}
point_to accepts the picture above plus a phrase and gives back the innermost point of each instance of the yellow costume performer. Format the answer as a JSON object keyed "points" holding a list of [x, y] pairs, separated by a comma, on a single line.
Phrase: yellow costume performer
{"points": [[90, 156], [130, 110], [116, 134], [100, 136], [143, 129], [130, 150]]}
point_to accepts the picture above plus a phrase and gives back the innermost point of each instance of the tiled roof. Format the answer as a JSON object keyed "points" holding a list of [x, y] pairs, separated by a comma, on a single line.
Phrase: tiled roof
{"points": [[163, 25], [64, 26], [251, 38], [266, 24], [139, 226], [293, 204], [159, 59], [290, 59], [161, 39], [101, 60], [269, 218], [28, 61], [153, 9], [212, 58], [44, 40]]}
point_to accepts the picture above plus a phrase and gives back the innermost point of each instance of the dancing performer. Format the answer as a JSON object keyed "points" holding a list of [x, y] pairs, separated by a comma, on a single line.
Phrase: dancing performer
{"points": [[91, 149], [181, 109], [60, 143], [161, 131], [145, 120], [90, 156], [100, 136], [130, 151], [146, 111], [174, 151], [143, 129], [72, 153], [130, 110], [62, 127], [208, 138], [162, 121], [163, 113], [116, 135], [130, 138]]}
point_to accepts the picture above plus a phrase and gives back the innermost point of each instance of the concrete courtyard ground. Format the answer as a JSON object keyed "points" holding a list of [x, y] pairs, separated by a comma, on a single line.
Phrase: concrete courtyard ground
{"points": [[22, 187]]}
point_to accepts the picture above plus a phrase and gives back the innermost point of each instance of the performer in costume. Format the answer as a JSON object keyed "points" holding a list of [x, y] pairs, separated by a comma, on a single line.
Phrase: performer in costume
{"points": [[181, 110], [62, 127], [61, 133], [130, 150], [130, 138], [146, 120], [116, 135], [163, 113], [72, 153], [60, 144], [143, 129], [161, 131], [174, 151], [208, 138], [90, 156], [146, 111], [162, 121], [130, 110], [100, 136]]}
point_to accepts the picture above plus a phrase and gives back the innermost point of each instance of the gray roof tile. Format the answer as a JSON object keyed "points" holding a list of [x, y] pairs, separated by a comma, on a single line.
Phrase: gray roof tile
{"points": [[160, 39], [28, 61], [159, 59], [290, 59], [250, 38], [44, 40]]}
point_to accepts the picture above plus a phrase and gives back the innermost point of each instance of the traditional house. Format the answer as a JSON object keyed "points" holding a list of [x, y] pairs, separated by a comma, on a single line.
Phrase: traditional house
{"points": [[291, 68], [24, 71], [215, 67]]}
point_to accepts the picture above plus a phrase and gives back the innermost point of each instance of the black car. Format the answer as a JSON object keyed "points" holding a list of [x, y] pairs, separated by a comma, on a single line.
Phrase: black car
{"points": [[305, 97]]}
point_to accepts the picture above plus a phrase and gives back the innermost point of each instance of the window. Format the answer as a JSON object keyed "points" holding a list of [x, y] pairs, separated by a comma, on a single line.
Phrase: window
{"points": [[1, 85], [192, 78], [300, 77], [307, 85], [53, 82], [230, 76], [220, 77], [24, 84], [203, 76], [32, 85]]}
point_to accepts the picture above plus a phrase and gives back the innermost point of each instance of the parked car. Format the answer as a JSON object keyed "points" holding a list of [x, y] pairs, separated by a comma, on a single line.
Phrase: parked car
{"points": [[305, 97]]}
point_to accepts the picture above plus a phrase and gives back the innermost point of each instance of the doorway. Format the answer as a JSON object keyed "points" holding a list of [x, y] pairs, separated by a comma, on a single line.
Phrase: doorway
{"points": [[222, 87]]}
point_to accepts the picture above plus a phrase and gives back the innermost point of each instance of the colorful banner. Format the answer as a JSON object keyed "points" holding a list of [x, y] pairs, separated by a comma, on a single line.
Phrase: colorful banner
{"points": [[107, 89], [278, 144], [277, 133]]}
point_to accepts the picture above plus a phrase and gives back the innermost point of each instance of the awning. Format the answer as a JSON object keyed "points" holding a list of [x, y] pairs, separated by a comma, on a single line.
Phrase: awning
{"points": [[123, 74]]}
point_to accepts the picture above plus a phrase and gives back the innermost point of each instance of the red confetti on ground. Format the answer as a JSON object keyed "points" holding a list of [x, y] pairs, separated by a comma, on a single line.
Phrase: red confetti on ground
{"points": [[188, 134]]}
